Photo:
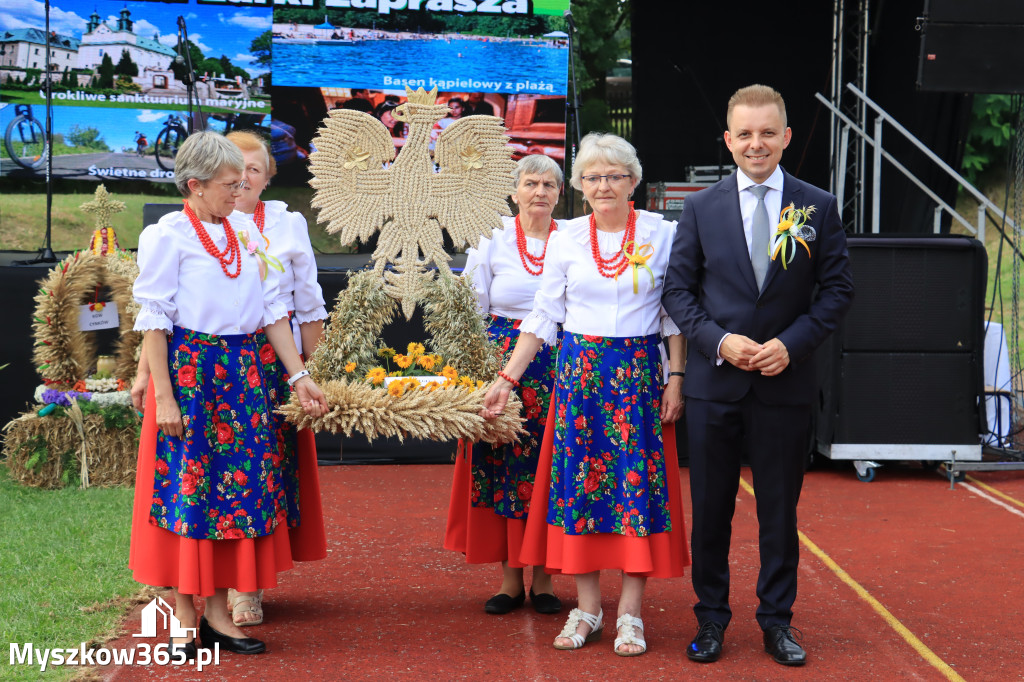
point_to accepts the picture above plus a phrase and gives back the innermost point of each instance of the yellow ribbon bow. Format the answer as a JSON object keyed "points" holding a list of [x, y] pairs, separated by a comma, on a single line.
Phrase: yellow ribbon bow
{"points": [[265, 258], [638, 259]]}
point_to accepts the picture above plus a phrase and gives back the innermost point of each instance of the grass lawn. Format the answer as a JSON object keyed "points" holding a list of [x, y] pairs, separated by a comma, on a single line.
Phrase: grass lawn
{"points": [[23, 218], [64, 566]]}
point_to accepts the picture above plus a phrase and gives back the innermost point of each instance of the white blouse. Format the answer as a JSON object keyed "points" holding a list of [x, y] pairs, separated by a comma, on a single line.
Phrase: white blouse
{"points": [[502, 285], [572, 291], [180, 284], [289, 243]]}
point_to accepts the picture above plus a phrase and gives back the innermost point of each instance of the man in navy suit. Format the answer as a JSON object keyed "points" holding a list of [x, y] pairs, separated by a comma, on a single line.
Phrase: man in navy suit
{"points": [[752, 327]]}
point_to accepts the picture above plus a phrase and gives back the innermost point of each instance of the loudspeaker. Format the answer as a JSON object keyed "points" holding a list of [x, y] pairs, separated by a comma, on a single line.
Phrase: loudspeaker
{"points": [[971, 47], [907, 364]]}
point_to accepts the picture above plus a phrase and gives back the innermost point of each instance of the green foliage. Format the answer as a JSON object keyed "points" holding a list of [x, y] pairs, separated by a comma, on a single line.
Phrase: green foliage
{"points": [[126, 84], [87, 138], [988, 136], [106, 72], [210, 66], [424, 21], [603, 37], [38, 452], [197, 56], [126, 67], [261, 47]]}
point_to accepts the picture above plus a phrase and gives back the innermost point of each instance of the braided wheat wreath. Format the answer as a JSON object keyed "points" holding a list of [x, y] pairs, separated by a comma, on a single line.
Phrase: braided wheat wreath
{"points": [[63, 353], [361, 188], [457, 333]]}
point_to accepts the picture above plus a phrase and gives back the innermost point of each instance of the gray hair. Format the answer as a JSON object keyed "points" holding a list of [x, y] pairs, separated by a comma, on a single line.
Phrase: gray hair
{"points": [[202, 156], [537, 164], [606, 148]]}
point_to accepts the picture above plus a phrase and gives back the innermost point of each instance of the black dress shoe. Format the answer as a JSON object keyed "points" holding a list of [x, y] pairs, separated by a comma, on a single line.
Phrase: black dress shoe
{"points": [[238, 645], [544, 602], [176, 648], [502, 603], [780, 643], [706, 647]]}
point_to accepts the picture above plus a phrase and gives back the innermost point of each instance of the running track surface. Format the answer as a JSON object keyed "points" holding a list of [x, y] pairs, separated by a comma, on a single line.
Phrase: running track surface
{"points": [[902, 578]]}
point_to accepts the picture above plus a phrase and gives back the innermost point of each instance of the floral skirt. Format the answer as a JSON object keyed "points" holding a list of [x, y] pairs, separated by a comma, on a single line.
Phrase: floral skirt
{"points": [[222, 479], [492, 486], [299, 475], [607, 491], [196, 566]]}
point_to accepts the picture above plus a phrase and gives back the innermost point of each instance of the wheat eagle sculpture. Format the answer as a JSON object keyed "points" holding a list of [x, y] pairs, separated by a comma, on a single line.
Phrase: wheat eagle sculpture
{"points": [[410, 202]]}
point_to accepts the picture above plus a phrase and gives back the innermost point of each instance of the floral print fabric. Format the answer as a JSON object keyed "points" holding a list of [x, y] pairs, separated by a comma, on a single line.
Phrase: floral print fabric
{"points": [[503, 476], [220, 480], [279, 393], [608, 464]]}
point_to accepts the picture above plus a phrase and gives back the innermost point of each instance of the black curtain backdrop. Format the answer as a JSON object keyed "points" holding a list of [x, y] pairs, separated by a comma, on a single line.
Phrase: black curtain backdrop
{"points": [[686, 67]]}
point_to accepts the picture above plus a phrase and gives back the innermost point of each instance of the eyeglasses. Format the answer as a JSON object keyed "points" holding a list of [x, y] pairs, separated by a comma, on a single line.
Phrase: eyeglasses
{"points": [[594, 180], [234, 186]]}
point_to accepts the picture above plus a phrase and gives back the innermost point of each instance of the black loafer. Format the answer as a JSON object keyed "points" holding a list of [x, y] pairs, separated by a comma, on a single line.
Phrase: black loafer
{"points": [[502, 603], [238, 645], [706, 647], [177, 648], [783, 647], [544, 602]]}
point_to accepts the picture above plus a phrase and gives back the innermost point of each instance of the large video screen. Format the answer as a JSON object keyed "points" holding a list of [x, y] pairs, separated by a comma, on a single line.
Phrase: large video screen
{"points": [[118, 73]]}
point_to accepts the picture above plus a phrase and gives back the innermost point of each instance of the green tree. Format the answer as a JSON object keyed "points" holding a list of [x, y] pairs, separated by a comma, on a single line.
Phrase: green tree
{"points": [[261, 48], [602, 37], [106, 73], [197, 57], [210, 66], [226, 67], [126, 67], [87, 138], [988, 135]]}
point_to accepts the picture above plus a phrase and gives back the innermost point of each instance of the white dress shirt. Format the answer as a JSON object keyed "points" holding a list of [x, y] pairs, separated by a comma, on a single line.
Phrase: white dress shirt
{"points": [[502, 285], [572, 291], [748, 203], [180, 284], [289, 243]]}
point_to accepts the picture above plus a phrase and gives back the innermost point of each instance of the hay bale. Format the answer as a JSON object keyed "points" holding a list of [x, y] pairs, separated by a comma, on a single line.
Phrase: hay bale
{"points": [[45, 452]]}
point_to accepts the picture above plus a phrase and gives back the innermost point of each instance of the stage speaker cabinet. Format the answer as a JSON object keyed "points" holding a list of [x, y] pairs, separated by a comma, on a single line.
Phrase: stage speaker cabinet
{"points": [[971, 46], [908, 358]]}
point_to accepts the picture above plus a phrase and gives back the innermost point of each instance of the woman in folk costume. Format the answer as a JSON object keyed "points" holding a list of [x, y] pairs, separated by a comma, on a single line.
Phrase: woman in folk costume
{"points": [[286, 239], [493, 486], [607, 494], [210, 508]]}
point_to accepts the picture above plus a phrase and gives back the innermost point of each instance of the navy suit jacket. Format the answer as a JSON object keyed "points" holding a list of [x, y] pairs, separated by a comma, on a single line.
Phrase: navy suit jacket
{"points": [[710, 290]]}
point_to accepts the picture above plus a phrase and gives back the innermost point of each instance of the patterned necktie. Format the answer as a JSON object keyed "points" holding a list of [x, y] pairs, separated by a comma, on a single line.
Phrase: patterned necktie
{"points": [[759, 236]]}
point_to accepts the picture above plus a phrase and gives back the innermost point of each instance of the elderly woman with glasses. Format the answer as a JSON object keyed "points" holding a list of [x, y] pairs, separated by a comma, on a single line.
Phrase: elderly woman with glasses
{"points": [[493, 486], [210, 510], [607, 494]]}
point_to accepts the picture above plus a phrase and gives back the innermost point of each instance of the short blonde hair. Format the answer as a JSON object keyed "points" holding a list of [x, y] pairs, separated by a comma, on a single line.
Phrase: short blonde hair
{"points": [[756, 96], [202, 156], [249, 141], [537, 164], [606, 148]]}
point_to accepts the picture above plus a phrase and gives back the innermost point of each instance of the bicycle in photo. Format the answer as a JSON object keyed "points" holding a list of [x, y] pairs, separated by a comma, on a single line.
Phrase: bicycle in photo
{"points": [[169, 141], [25, 138]]}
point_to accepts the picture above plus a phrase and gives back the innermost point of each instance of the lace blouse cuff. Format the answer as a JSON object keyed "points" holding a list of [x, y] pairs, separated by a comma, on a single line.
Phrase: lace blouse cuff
{"points": [[152, 317], [274, 312], [542, 327], [302, 316], [668, 327]]}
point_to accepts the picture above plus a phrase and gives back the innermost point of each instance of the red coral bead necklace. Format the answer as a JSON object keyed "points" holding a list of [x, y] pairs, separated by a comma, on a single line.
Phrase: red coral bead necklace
{"points": [[231, 253], [528, 258], [259, 216], [614, 266]]}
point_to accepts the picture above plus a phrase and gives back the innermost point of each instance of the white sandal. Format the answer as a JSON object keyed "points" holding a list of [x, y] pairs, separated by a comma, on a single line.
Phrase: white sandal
{"points": [[626, 626], [241, 603], [596, 624]]}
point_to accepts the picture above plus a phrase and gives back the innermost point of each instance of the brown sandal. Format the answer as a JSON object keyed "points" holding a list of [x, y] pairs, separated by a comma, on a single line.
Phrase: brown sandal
{"points": [[242, 603]]}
